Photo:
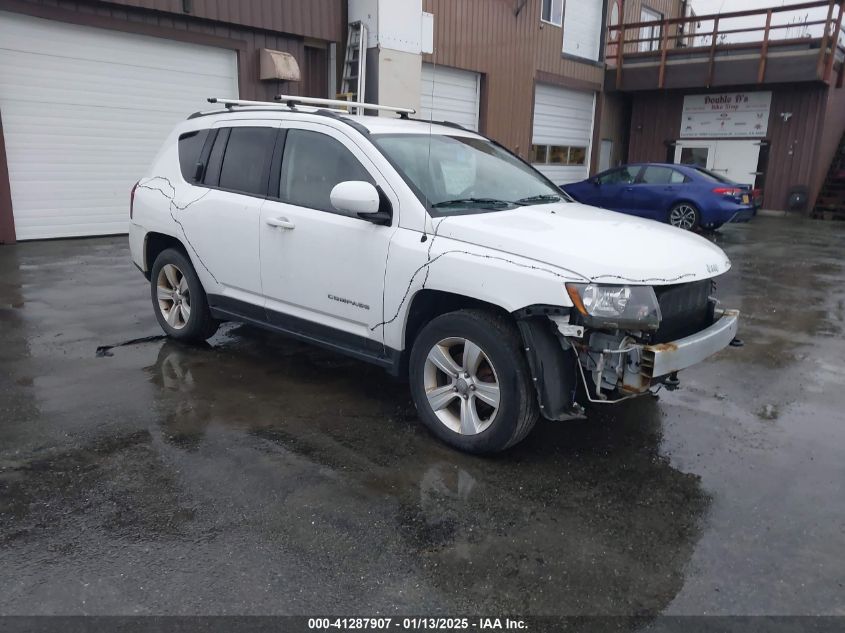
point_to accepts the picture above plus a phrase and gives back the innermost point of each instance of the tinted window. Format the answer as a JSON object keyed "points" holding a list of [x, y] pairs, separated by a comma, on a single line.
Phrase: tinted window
{"points": [[677, 178], [660, 176], [190, 149], [246, 163], [624, 175], [313, 164]]}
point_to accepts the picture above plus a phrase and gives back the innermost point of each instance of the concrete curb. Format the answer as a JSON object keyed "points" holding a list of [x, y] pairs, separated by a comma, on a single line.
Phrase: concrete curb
{"points": [[771, 213]]}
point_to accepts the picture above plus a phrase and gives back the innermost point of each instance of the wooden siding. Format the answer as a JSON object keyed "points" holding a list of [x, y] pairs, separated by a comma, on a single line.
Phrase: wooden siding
{"points": [[320, 19], [796, 146], [511, 52], [831, 130]]}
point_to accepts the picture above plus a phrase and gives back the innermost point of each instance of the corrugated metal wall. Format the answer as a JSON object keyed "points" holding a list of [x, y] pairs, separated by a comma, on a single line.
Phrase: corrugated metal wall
{"points": [[313, 65], [509, 50], [794, 151], [320, 19]]}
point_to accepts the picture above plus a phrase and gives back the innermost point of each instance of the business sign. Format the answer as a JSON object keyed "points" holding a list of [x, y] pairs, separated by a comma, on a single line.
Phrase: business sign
{"points": [[726, 115]]}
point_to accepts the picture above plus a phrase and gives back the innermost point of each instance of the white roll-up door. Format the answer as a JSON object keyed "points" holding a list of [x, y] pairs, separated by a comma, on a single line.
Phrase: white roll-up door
{"points": [[562, 133], [84, 112], [449, 94]]}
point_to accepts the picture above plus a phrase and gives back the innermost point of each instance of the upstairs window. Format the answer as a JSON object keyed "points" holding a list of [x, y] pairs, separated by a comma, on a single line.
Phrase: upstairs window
{"points": [[552, 12], [650, 35]]}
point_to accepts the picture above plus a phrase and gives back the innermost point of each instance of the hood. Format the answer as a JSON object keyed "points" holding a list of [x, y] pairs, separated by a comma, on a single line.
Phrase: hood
{"points": [[592, 244]]}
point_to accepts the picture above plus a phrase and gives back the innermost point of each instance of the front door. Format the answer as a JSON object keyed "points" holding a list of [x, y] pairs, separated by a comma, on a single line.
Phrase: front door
{"points": [[323, 270], [734, 160]]}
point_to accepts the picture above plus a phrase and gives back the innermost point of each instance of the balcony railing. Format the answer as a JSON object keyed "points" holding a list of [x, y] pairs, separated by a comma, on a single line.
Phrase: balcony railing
{"points": [[705, 39]]}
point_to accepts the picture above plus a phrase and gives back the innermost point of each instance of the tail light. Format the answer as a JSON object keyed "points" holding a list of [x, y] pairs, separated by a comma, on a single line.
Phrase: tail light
{"points": [[132, 199], [728, 191]]}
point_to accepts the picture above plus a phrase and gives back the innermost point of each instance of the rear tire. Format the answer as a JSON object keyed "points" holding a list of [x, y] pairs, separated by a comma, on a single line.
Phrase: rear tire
{"points": [[179, 300], [470, 382], [685, 215]]}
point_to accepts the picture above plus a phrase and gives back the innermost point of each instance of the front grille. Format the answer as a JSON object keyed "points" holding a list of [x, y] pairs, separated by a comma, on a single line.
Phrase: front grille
{"points": [[685, 308]]}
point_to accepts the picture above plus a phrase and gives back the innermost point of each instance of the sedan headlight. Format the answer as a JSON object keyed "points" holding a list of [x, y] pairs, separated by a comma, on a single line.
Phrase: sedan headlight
{"points": [[619, 307]]}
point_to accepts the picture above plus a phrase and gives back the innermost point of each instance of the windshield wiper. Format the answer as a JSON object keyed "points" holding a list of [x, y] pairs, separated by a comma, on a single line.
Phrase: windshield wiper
{"points": [[462, 202], [546, 197]]}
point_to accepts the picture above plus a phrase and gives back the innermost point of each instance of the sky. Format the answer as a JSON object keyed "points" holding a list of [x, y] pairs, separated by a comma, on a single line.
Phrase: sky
{"points": [[705, 7]]}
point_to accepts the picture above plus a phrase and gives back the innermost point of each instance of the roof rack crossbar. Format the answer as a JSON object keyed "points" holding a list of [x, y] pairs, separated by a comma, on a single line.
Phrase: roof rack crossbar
{"points": [[292, 101]]}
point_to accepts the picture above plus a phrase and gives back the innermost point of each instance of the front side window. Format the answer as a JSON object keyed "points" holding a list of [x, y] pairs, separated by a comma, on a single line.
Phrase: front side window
{"points": [[246, 162], [621, 176], [312, 165], [552, 12], [461, 174]]}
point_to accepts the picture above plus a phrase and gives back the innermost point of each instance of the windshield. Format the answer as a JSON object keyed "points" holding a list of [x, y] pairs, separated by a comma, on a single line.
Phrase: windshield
{"points": [[458, 174]]}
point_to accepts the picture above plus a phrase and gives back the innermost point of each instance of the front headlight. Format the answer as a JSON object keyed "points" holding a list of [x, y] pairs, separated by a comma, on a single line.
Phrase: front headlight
{"points": [[619, 307]]}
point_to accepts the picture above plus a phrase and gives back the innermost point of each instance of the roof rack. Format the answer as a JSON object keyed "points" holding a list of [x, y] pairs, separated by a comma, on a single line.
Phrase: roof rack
{"points": [[292, 101]]}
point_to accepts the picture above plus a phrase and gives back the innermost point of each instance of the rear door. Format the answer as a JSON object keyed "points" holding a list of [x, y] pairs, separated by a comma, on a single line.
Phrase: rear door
{"points": [[656, 190], [221, 223], [323, 270]]}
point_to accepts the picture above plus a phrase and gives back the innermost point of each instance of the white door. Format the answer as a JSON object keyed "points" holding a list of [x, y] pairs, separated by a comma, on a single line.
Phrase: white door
{"points": [[318, 264], [84, 112], [735, 160], [695, 153], [650, 35], [605, 154], [449, 94], [582, 28], [562, 133]]}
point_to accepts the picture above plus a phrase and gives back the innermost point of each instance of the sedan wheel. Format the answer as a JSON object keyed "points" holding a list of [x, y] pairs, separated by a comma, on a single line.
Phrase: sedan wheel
{"points": [[684, 216], [174, 296], [461, 386]]}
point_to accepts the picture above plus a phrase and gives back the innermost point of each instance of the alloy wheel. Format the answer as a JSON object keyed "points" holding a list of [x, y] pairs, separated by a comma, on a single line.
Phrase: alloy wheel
{"points": [[174, 296], [461, 385], [683, 216]]}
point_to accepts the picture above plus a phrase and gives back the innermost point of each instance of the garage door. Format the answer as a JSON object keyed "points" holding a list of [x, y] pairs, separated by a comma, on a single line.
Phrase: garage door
{"points": [[84, 112], [562, 133], [449, 94]]}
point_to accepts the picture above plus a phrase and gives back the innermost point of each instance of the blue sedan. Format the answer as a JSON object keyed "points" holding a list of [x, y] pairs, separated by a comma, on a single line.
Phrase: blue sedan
{"points": [[685, 196]]}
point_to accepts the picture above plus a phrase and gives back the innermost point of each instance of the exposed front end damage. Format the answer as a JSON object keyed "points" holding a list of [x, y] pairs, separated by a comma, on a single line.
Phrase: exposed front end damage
{"points": [[617, 366], [571, 361]]}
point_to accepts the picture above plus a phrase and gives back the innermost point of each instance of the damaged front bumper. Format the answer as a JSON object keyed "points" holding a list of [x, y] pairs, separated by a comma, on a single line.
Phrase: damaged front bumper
{"points": [[621, 367]]}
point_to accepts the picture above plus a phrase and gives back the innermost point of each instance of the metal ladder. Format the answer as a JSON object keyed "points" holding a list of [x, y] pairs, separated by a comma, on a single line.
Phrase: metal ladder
{"points": [[353, 82]]}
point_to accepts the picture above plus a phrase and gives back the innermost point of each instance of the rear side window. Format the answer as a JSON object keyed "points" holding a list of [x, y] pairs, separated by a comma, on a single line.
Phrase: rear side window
{"points": [[190, 150], [246, 162], [662, 176], [313, 164]]}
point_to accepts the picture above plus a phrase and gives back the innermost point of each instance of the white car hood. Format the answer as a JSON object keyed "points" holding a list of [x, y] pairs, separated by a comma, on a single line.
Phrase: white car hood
{"points": [[592, 244]]}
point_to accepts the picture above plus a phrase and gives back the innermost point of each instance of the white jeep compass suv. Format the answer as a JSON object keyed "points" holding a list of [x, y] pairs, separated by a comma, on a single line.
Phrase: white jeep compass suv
{"points": [[427, 249]]}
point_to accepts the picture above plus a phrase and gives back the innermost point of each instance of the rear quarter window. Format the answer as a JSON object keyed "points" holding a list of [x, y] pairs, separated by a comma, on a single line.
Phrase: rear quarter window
{"points": [[190, 149]]}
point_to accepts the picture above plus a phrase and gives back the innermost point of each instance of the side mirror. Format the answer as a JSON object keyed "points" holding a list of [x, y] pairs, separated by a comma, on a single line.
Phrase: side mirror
{"points": [[355, 196]]}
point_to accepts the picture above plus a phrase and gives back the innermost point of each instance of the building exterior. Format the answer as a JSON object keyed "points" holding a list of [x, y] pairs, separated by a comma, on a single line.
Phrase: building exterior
{"points": [[89, 89], [762, 106]]}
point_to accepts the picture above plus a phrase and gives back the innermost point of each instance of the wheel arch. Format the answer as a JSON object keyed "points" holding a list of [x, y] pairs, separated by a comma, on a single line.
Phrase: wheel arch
{"points": [[154, 244]]}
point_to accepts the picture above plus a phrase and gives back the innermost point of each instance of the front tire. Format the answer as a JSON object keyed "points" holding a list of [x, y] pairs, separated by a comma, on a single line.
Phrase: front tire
{"points": [[470, 382], [179, 300], [685, 215]]}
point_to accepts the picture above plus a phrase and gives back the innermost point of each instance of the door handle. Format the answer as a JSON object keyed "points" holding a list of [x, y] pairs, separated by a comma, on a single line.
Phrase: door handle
{"points": [[280, 223]]}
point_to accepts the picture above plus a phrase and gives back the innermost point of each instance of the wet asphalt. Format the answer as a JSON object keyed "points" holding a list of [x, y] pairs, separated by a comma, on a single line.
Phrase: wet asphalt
{"points": [[257, 475]]}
